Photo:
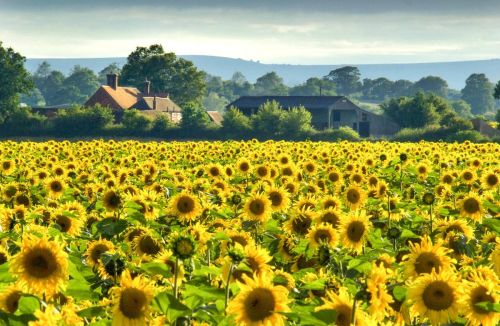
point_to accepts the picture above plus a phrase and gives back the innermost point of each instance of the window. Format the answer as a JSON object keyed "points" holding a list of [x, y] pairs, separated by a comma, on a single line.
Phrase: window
{"points": [[355, 126], [336, 116], [364, 117]]}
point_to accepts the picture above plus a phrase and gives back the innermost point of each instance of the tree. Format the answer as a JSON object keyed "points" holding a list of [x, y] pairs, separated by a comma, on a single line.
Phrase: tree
{"points": [[80, 85], [235, 122], [194, 117], [478, 92], [412, 112], [377, 89], [33, 98], [14, 80], [402, 88], [462, 108], [295, 123], [134, 121], [347, 80], [215, 102], [432, 84], [314, 87], [110, 69], [270, 84], [50, 83], [167, 73], [265, 121], [497, 91]]}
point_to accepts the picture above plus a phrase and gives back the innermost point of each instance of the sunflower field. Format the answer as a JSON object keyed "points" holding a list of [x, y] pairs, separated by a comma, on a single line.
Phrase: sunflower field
{"points": [[249, 233]]}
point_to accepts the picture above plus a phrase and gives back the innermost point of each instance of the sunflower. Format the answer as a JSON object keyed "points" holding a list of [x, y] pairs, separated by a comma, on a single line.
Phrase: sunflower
{"points": [[185, 207], [183, 246], [131, 301], [425, 258], [49, 316], [111, 200], [482, 286], [146, 245], [330, 216], [490, 180], [380, 299], [470, 206], [322, 234], [468, 176], [299, 223], [4, 255], [283, 278], [255, 263], [41, 266], [354, 197], [96, 249], [457, 226], [9, 299], [55, 187], [342, 304], [69, 225], [8, 166], [278, 197], [330, 202], [243, 165], [259, 302], [258, 208], [435, 297], [354, 229]]}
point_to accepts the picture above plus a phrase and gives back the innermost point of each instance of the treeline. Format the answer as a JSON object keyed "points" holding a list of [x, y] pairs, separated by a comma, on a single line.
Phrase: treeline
{"points": [[271, 122], [476, 98]]}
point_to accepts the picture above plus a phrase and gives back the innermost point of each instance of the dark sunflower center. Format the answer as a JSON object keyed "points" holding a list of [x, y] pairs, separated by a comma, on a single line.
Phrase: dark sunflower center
{"points": [[64, 223], [471, 205], [344, 315], [353, 196], [185, 204], [6, 165], [132, 303], [239, 239], [112, 200], [321, 236], [262, 171], [333, 177], [148, 245], [301, 225], [448, 179], [467, 176], [355, 231], [480, 294], [438, 295], [331, 218], [310, 167], [244, 166], [276, 198], [55, 186], [259, 304], [3, 258], [23, 200], [97, 252], [426, 261], [12, 301], [256, 207], [492, 180], [185, 247], [40, 263]]}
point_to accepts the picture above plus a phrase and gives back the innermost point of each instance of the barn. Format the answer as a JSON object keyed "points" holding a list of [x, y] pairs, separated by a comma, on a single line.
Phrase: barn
{"points": [[327, 112]]}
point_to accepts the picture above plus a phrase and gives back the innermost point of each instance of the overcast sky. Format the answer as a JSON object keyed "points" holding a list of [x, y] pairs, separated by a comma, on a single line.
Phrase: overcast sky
{"points": [[272, 31]]}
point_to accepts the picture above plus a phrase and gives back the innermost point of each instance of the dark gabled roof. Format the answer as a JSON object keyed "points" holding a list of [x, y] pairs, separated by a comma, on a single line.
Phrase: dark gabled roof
{"points": [[310, 102]]}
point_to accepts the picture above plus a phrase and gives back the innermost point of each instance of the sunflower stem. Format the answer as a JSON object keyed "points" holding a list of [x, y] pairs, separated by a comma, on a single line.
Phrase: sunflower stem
{"points": [[353, 315], [176, 275], [226, 299], [430, 216]]}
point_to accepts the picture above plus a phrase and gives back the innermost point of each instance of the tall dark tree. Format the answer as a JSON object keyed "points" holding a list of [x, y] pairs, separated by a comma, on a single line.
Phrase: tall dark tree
{"points": [[14, 80], [497, 91], [402, 87], [478, 92], [167, 73], [347, 80], [432, 84], [377, 89], [412, 112], [270, 84]]}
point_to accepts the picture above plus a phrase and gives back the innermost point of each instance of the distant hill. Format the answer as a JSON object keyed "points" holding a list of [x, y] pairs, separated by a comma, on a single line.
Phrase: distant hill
{"points": [[455, 73]]}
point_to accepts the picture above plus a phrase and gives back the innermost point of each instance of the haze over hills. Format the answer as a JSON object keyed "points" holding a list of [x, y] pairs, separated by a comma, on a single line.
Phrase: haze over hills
{"points": [[455, 73]]}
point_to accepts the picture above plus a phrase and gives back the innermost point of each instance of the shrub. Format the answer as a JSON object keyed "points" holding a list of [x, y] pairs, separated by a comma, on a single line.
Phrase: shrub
{"points": [[22, 120], [194, 117], [265, 121], [343, 133], [82, 120], [470, 135], [296, 123], [135, 122], [161, 124], [235, 123]]}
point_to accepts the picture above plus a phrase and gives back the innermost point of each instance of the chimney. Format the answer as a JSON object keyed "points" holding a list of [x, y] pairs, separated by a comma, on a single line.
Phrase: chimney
{"points": [[147, 87], [112, 81]]}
